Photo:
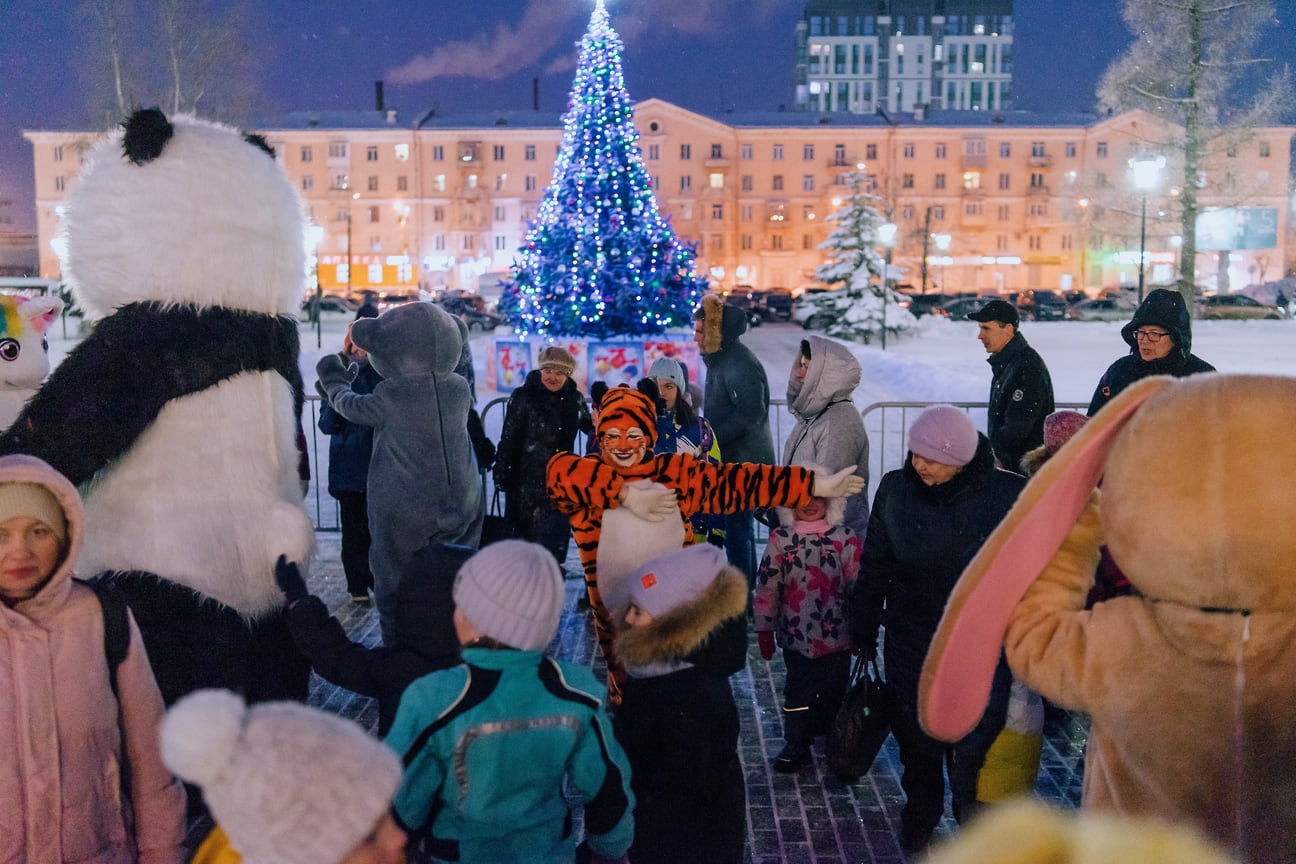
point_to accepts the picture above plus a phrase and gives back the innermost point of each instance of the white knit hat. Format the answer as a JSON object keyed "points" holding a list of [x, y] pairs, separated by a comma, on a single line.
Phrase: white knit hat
{"points": [[36, 501], [512, 591], [288, 784], [676, 578]]}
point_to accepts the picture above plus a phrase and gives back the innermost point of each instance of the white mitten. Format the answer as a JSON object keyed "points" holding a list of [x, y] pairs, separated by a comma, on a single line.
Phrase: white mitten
{"points": [[652, 503], [838, 485]]}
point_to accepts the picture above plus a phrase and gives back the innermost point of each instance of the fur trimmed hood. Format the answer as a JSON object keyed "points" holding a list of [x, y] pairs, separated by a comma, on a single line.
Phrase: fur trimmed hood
{"points": [[722, 324], [671, 637]]}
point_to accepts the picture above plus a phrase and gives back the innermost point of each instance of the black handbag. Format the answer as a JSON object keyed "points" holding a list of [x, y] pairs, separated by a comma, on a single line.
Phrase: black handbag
{"points": [[495, 527], [862, 723]]}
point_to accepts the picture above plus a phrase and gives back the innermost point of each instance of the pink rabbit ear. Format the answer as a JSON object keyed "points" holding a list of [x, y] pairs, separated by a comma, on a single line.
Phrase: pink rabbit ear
{"points": [[957, 674], [40, 311]]}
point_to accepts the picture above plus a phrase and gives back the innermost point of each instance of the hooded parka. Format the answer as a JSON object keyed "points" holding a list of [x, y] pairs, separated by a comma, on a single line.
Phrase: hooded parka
{"points": [[69, 743], [737, 391], [829, 430]]}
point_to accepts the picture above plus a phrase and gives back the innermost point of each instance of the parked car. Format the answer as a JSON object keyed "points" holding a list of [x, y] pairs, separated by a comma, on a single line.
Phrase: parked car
{"points": [[472, 308], [926, 304], [810, 316], [774, 304], [336, 303], [1040, 305], [1100, 309], [742, 298], [1235, 306], [959, 308]]}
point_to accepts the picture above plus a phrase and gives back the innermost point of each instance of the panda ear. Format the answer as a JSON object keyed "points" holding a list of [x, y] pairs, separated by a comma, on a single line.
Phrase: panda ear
{"points": [[147, 132], [260, 142]]}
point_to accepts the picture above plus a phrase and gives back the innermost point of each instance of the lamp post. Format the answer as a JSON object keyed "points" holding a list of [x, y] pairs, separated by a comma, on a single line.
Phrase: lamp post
{"points": [[314, 234], [1147, 170], [943, 242], [886, 236]]}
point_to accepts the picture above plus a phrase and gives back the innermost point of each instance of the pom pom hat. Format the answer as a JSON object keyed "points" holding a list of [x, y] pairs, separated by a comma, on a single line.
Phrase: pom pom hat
{"points": [[288, 784], [512, 591], [944, 434]]}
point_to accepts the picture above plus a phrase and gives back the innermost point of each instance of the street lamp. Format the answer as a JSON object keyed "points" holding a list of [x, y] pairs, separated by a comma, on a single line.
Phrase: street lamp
{"points": [[1147, 171], [886, 236], [943, 242]]}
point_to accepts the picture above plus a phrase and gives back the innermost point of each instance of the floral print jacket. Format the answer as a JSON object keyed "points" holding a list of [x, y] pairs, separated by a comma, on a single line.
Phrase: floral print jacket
{"points": [[808, 571]]}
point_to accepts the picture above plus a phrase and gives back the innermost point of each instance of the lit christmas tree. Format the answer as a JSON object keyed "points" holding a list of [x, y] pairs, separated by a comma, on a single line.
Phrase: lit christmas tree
{"points": [[856, 311], [600, 260]]}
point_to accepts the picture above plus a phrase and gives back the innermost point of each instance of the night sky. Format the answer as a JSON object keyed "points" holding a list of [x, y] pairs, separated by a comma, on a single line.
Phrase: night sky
{"points": [[467, 54]]}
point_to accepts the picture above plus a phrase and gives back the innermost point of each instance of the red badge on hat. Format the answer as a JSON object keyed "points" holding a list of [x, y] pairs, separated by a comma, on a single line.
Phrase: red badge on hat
{"points": [[649, 580]]}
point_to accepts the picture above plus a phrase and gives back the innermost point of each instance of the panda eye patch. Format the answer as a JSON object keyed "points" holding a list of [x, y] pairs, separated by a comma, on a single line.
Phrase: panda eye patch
{"points": [[9, 349]]}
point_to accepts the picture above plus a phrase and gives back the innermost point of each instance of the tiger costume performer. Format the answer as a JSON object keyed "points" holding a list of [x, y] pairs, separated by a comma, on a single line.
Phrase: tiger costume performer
{"points": [[677, 486]]}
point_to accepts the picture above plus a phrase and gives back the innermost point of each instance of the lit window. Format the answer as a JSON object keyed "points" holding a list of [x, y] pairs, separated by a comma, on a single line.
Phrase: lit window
{"points": [[402, 152], [717, 181], [439, 183]]}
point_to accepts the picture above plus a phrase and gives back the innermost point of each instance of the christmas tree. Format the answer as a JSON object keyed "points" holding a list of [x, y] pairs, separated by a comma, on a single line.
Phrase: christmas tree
{"points": [[600, 260], [858, 311]]}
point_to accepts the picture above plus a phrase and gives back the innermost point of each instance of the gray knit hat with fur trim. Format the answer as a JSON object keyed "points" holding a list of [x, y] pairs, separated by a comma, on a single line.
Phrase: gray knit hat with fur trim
{"points": [[512, 591]]}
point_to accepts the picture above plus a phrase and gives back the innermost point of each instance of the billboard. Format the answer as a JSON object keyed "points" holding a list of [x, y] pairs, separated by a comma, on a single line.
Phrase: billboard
{"points": [[1234, 228]]}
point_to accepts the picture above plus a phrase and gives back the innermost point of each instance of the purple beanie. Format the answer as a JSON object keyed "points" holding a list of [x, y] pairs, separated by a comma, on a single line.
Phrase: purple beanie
{"points": [[944, 434], [675, 578], [1059, 427]]}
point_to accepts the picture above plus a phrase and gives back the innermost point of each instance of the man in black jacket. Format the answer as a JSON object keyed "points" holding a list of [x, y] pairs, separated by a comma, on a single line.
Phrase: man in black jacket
{"points": [[1021, 392]]}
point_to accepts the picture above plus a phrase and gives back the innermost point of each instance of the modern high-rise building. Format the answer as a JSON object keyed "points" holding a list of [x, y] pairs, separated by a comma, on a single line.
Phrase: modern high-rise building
{"points": [[904, 55]]}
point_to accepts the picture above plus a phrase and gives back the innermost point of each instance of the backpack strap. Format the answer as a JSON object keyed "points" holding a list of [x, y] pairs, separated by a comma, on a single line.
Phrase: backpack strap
{"points": [[116, 627]]}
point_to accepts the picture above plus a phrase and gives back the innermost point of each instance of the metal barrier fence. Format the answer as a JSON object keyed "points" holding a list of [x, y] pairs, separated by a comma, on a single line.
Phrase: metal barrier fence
{"points": [[887, 425]]}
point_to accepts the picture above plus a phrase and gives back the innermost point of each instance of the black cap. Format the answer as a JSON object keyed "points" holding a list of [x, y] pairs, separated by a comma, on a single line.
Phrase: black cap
{"points": [[997, 310]]}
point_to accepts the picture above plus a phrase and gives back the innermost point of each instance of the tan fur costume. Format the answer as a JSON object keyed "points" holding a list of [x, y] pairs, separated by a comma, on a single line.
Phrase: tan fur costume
{"points": [[1191, 683]]}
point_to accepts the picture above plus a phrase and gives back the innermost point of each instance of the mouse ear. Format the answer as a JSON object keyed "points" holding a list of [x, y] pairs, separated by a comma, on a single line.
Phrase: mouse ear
{"points": [[147, 132], [956, 677]]}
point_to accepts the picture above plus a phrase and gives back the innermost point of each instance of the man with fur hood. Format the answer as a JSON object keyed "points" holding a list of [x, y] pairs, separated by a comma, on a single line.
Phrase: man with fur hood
{"points": [[829, 430], [736, 406], [682, 635], [1160, 340]]}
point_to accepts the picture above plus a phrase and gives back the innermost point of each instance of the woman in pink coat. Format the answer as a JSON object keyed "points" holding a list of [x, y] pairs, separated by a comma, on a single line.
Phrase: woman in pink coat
{"points": [[71, 728]]}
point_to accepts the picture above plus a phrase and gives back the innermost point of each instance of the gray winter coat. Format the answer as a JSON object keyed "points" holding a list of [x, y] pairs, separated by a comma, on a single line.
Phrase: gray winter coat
{"points": [[737, 391], [829, 430]]}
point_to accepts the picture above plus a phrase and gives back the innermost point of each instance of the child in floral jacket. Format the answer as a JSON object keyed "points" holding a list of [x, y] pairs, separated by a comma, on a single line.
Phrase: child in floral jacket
{"points": [[808, 571]]}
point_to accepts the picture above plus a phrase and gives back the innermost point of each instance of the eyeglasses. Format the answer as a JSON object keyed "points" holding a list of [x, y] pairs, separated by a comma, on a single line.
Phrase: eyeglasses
{"points": [[634, 436], [554, 370], [1153, 336]]}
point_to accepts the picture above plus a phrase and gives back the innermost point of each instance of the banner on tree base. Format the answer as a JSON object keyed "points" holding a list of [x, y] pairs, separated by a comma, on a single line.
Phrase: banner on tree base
{"points": [[612, 361]]}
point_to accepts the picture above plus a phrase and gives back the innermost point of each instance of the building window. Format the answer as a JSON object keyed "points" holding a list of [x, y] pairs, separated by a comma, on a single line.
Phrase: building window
{"points": [[497, 152], [501, 242], [500, 213], [338, 150], [746, 241], [1066, 242], [373, 214], [938, 212], [371, 154], [1101, 180], [686, 151], [717, 151], [776, 241], [906, 181], [1264, 149], [1069, 149], [306, 154], [373, 184], [778, 182], [717, 211], [778, 152], [972, 208], [500, 181], [438, 214], [530, 182], [654, 152], [340, 214], [341, 181], [807, 183], [308, 182], [1039, 209], [1037, 149], [686, 183], [1005, 150], [402, 152], [438, 153], [1005, 181], [909, 149], [870, 151], [939, 181], [1004, 212], [438, 183], [656, 182], [58, 153], [717, 242], [807, 153], [907, 211], [746, 182], [971, 179], [1102, 149], [747, 155], [1001, 242], [746, 213], [438, 242], [59, 183], [940, 151], [1037, 180], [807, 241], [402, 183], [716, 180], [467, 242], [1033, 242], [472, 181]]}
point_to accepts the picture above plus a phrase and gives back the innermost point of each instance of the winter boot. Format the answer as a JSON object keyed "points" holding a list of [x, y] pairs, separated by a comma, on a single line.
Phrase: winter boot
{"points": [[797, 733]]}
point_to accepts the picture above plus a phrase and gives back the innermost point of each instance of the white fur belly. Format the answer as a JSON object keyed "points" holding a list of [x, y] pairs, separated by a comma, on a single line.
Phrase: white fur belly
{"points": [[208, 496]]}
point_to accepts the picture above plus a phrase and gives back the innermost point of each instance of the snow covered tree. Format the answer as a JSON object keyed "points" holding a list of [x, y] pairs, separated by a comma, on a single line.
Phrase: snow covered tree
{"points": [[1192, 64], [855, 311], [600, 260]]}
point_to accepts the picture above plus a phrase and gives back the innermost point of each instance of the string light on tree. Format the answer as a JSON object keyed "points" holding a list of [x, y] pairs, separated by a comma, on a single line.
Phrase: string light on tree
{"points": [[598, 240]]}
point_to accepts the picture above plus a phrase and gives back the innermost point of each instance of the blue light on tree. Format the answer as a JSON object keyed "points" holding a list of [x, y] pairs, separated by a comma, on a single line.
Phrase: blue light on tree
{"points": [[599, 259]]}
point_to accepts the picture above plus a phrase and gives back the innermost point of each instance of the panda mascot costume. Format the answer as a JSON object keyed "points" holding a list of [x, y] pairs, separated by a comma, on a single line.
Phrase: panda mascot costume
{"points": [[178, 415]]}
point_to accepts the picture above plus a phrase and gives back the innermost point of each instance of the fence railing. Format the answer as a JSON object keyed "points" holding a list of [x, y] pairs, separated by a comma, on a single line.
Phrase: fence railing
{"points": [[887, 425]]}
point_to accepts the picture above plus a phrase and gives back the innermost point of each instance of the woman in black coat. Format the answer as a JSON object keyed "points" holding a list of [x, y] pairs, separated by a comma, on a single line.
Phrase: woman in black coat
{"points": [[929, 518], [543, 417]]}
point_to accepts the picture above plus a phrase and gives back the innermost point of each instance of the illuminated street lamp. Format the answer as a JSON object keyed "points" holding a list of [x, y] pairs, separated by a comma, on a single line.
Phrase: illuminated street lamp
{"points": [[1147, 171], [886, 236]]}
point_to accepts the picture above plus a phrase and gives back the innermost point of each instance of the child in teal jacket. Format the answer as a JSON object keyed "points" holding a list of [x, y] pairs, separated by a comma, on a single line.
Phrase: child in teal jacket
{"points": [[487, 744]]}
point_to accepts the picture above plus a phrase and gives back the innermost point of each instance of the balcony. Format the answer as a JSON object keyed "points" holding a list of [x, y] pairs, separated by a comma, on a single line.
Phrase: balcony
{"points": [[469, 155], [1041, 161], [844, 162], [715, 162], [1039, 192]]}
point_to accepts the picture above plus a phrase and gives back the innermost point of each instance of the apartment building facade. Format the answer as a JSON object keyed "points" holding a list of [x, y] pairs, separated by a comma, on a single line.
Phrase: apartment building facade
{"points": [[898, 55], [987, 201]]}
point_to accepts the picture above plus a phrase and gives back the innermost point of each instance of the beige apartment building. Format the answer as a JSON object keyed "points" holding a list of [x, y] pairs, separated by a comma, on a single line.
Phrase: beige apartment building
{"points": [[990, 201]]}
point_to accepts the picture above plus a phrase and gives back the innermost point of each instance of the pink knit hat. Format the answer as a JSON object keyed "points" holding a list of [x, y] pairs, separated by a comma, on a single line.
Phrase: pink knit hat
{"points": [[944, 434], [1059, 427]]}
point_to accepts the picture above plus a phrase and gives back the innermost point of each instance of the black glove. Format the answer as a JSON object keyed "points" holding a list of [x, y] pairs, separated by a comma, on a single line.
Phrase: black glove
{"points": [[289, 579]]}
